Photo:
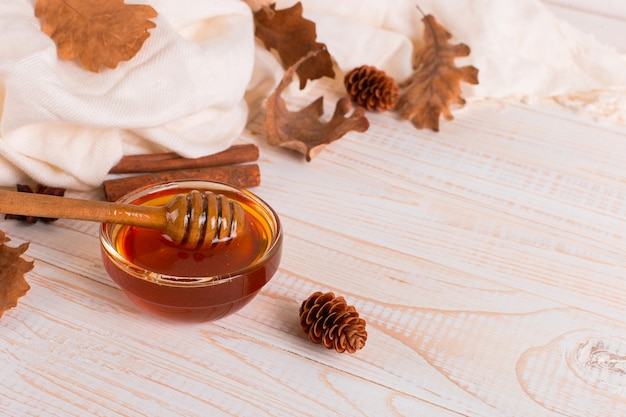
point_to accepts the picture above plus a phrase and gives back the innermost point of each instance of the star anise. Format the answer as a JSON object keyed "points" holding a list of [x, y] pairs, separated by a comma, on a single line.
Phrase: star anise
{"points": [[41, 189]]}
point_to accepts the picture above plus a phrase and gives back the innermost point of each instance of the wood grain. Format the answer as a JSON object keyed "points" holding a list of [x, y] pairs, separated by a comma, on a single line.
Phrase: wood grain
{"points": [[488, 260]]}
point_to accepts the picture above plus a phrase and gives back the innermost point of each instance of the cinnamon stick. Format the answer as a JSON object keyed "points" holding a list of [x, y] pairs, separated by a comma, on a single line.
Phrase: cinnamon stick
{"points": [[242, 175], [170, 161]]}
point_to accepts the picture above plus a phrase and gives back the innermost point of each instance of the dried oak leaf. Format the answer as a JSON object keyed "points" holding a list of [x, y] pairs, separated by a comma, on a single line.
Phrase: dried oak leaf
{"points": [[293, 37], [302, 130], [436, 83], [12, 270], [97, 32]]}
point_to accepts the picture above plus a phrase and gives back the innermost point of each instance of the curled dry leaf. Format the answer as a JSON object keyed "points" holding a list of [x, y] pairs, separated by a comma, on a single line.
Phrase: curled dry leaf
{"points": [[302, 130], [293, 37], [436, 83], [12, 270], [97, 32]]}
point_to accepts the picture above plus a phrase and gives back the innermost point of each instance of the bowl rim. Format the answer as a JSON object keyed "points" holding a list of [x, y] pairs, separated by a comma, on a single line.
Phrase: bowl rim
{"points": [[182, 281]]}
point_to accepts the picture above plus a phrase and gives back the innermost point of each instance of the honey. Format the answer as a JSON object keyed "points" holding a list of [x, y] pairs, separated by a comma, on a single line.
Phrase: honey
{"points": [[193, 284], [153, 250]]}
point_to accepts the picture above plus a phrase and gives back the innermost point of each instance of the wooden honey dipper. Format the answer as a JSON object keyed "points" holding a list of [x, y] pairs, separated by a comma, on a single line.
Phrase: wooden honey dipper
{"points": [[191, 220]]}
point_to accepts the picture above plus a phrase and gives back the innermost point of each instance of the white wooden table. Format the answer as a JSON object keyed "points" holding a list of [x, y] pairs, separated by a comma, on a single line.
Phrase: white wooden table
{"points": [[489, 261]]}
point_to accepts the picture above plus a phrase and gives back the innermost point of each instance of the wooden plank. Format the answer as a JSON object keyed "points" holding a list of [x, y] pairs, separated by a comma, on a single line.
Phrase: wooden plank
{"points": [[474, 253], [74, 347], [488, 260]]}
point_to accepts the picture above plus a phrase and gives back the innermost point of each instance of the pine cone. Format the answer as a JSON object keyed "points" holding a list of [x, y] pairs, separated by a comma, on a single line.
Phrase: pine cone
{"points": [[329, 320], [371, 88]]}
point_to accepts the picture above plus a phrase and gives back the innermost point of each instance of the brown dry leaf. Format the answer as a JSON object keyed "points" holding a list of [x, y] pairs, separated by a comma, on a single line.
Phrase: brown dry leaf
{"points": [[303, 131], [436, 83], [293, 37], [97, 32], [12, 270]]}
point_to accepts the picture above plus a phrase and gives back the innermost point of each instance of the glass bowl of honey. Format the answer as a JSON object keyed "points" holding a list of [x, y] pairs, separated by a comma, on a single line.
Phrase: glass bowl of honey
{"points": [[193, 284]]}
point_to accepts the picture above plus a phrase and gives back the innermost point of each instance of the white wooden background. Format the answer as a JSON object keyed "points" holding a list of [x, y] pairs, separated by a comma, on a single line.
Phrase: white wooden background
{"points": [[488, 259]]}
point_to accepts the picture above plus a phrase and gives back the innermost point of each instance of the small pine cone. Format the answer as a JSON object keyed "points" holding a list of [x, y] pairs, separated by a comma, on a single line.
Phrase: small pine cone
{"points": [[329, 320], [371, 88]]}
